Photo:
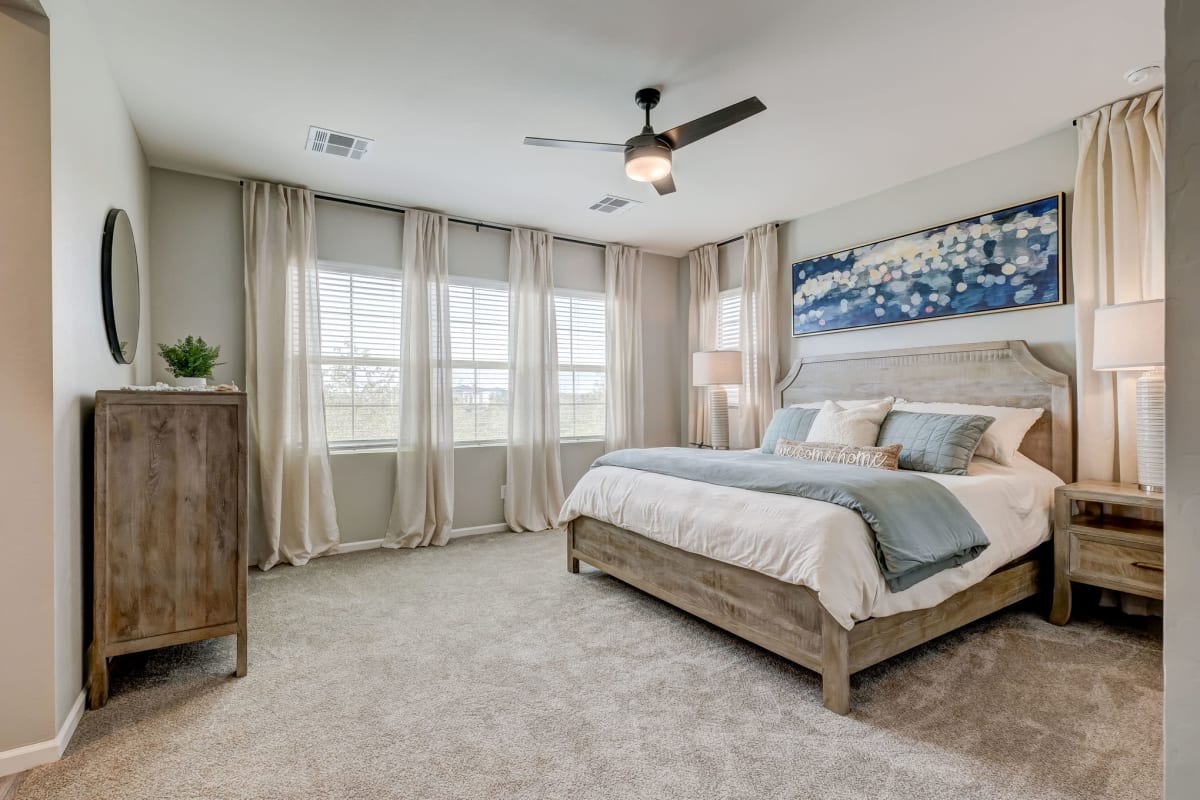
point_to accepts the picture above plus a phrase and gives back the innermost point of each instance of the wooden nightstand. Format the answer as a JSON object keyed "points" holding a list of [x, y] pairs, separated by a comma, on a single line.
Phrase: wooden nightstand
{"points": [[1108, 535]]}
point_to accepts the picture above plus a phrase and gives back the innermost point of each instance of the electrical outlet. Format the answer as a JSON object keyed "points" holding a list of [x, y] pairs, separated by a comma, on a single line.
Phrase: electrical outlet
{"points": [[503, 491]]}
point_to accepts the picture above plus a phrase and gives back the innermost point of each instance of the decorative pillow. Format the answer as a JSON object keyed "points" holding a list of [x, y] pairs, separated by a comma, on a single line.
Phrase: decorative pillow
{"points": [[857, 426], [1002, 439], [788, 423], [825, 452], [941, 443]]}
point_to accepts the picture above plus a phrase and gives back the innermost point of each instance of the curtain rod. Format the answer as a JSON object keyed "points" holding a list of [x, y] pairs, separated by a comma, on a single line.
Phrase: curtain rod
{"points": [[737, 238]]}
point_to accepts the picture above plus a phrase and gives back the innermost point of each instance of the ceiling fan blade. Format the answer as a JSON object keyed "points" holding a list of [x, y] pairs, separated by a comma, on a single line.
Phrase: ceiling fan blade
{"points": [[665, 185], [709, 124], [571, 144]]}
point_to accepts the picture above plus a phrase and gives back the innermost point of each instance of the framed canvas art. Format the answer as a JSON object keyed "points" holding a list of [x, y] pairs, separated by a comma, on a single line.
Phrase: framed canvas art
{"points": [[1000, 261]]}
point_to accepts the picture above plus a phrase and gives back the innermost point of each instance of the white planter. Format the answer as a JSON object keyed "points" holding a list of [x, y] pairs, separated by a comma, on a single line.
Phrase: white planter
{"points": [[191, 383]]}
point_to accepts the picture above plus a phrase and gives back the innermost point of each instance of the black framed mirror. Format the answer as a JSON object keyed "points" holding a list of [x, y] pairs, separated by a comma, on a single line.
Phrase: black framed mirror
{"points": [[120, 287]]}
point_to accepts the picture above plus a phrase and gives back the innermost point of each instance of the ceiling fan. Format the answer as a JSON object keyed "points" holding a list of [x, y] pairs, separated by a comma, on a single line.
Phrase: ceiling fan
{"points": [[648, 155]]}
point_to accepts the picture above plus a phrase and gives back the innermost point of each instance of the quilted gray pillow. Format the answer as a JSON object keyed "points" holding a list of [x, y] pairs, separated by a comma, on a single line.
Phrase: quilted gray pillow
{"points": [[788, 423], [941, 443]]}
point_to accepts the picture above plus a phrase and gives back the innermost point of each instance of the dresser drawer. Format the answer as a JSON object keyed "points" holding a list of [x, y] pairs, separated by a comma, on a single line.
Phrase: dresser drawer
{"points": [[1116, 565]]}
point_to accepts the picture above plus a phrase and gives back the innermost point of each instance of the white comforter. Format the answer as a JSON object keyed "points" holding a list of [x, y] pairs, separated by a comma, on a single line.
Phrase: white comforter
{"points": [[815, 544]]}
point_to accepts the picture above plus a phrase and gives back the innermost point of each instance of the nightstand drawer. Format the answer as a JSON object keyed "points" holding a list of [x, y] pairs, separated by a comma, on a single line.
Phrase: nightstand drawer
{"points": [[1116, 565]]}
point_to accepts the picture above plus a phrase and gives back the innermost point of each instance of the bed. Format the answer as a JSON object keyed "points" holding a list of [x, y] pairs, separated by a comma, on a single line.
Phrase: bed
{"points": [[791, 619]]}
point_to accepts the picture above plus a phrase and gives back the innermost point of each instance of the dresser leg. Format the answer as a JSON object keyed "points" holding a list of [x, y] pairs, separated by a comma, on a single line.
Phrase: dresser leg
{"points": [[241, 654], [1060, 612], [98, 693]]}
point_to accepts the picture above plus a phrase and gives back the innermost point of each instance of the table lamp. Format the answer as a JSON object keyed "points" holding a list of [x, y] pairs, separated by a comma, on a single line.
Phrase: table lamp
{"points": [[717, 369], [1131, 336]]}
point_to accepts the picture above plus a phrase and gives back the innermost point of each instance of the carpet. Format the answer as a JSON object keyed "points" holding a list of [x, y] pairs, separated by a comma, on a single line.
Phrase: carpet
{"points": [[484, 670]]}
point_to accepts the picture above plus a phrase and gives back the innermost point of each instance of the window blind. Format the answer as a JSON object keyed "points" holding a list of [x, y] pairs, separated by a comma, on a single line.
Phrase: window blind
{"points": [[729, 328], [479, 351], [579, 318]]}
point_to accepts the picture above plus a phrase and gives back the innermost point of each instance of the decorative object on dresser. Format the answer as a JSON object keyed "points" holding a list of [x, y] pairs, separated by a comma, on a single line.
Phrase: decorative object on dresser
{"points": [[1108, 535], [717, 369], [1131, 336], [190, 360], [1004, 260], [170, 553]]}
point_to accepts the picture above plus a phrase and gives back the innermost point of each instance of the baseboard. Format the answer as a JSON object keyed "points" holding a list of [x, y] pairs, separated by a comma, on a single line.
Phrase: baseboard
{"points": [[457, 533], [20, 759]]}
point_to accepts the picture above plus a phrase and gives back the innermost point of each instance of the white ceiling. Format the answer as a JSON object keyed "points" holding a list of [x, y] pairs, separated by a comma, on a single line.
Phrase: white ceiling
{"points": [[860, 96]]}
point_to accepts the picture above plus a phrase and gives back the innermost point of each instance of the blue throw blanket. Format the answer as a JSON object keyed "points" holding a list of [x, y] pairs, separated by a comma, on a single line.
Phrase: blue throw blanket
{"points": [[920, 527]]}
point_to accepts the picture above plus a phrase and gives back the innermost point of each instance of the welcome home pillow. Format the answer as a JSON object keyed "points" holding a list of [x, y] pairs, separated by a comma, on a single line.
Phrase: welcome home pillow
{"points": [[825, 452]]}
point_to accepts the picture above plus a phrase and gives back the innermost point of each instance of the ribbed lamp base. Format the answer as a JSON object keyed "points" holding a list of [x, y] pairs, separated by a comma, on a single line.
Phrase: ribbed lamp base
{"points": [[1152, 431], [718, 414]]}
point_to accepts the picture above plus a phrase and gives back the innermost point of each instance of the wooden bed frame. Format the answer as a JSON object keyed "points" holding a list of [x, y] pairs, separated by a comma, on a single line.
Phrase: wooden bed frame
{"points": [[788, 619]]}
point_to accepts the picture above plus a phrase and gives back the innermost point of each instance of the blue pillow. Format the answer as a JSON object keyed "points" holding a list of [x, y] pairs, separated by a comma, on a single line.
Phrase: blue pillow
{"points": [[788, 423], [940, 443]]}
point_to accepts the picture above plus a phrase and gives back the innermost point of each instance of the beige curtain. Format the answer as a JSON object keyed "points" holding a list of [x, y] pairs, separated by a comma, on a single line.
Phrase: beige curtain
{"points": [[1117, 230], [625, 412], [759, 335], [702, 334], [535, 490], [423, 503], [291, 487]]}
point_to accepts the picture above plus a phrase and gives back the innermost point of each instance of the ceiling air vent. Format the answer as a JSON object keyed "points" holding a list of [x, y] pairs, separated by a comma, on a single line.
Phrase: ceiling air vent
{"points": [[611, 204], [344, 145]]}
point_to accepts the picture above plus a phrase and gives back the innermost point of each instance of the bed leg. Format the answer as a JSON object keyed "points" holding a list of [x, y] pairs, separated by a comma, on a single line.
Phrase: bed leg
{"points": [[835, 665], [572, 561]]}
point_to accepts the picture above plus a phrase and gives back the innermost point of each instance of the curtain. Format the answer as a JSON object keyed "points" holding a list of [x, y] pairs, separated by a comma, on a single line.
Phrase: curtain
{"points": [[623, 328], [702, 334], [759, 335], [423, 503], [535, 490], [1117, 232], [291, 485]]}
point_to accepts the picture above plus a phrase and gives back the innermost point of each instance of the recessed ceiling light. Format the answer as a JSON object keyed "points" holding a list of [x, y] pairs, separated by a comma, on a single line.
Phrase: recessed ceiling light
{"points": [[1149, 74]]}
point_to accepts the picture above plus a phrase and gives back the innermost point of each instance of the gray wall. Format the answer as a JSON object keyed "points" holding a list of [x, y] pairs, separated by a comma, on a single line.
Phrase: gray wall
{"points": [[1181, 659], [1034, 169], [196, 227]]}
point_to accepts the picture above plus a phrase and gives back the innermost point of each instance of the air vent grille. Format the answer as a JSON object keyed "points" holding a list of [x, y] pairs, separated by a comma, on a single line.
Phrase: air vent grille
{"points": [[342, 145], [611, 204]]}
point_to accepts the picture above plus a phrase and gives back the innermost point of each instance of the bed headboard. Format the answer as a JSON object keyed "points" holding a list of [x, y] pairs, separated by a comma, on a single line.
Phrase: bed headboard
{"points": [[991, 373]]}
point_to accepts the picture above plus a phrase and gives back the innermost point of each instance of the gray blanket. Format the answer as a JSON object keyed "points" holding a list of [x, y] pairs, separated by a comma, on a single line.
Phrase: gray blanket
{"points": [[920, 527]]}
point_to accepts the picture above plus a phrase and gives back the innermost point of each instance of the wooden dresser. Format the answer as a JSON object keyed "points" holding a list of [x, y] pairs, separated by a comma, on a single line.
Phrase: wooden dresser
{"points": [[170, 524]]}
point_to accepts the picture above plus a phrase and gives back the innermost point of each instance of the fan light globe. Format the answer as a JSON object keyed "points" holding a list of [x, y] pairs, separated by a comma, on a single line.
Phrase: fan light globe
{"points": [[648, 164]]}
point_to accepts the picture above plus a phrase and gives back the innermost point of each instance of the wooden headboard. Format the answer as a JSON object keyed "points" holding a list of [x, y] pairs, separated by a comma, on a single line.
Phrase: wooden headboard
{"points": [[988, 373]]}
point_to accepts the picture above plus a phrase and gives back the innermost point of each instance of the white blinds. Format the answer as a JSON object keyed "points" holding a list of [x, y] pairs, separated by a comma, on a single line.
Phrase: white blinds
{"points": [[729, 324], [360, 344], [579, 318], [479, 349]]}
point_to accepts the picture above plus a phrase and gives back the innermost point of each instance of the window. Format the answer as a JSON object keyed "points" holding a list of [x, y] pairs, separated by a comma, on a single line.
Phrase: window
{"points": [[360, 343], [579, 318], [729, 328], [479, 350]]}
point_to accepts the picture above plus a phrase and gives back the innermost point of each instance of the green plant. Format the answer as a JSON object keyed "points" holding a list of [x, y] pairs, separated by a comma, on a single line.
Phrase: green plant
{"points": [[190, 358]]}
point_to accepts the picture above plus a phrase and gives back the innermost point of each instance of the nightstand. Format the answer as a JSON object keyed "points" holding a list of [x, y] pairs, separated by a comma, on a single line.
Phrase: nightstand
{"points": [[1108, 535]]}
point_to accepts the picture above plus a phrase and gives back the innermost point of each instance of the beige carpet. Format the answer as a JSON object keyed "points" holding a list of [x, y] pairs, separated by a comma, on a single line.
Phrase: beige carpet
{"points": [[485, 670]]}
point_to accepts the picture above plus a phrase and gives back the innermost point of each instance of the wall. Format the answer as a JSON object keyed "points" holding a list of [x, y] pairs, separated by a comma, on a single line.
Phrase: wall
{"points": [[196, 230], [1030, 170], [97, 164], [26, 419], [1181, 658]]}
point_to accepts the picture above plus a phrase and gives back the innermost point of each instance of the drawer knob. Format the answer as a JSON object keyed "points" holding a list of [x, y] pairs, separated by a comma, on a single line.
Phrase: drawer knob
{"points": [[1149, 565]]}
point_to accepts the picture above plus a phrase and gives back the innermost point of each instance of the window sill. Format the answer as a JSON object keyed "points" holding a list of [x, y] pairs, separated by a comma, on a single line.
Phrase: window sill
{"points": [[391, 448]]}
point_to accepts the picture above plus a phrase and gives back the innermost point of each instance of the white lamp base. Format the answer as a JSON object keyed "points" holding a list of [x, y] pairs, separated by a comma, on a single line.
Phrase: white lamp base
{"points": [[1151, 431], [718, 415]]}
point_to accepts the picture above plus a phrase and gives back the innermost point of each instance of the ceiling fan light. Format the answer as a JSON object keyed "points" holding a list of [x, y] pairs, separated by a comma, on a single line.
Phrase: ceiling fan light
{"points": [[648, 164]]}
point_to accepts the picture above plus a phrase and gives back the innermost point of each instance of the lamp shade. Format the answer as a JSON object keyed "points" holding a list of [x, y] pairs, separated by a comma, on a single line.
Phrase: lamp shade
{"points": [[1130, 336], [717, 368]]}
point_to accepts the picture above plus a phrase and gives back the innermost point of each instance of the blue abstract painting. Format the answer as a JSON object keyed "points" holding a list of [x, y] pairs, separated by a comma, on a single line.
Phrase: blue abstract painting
{"points": [[1000, 261]]}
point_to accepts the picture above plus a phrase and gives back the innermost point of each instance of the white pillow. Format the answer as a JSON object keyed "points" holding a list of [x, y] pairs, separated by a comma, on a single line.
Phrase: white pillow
{"points": [[1002, 439], [819, 404], [857, 426]]}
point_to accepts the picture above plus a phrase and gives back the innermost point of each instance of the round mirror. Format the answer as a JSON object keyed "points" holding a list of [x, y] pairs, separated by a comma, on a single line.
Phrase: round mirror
{"points": [[119, 285]]}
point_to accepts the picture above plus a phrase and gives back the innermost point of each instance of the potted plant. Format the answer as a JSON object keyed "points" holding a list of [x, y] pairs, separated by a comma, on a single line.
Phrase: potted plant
{"points": [[190, 360]]}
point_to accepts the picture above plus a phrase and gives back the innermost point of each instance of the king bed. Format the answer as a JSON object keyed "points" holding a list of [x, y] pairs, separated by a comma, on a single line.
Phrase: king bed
{"points": [[796, 575]]}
